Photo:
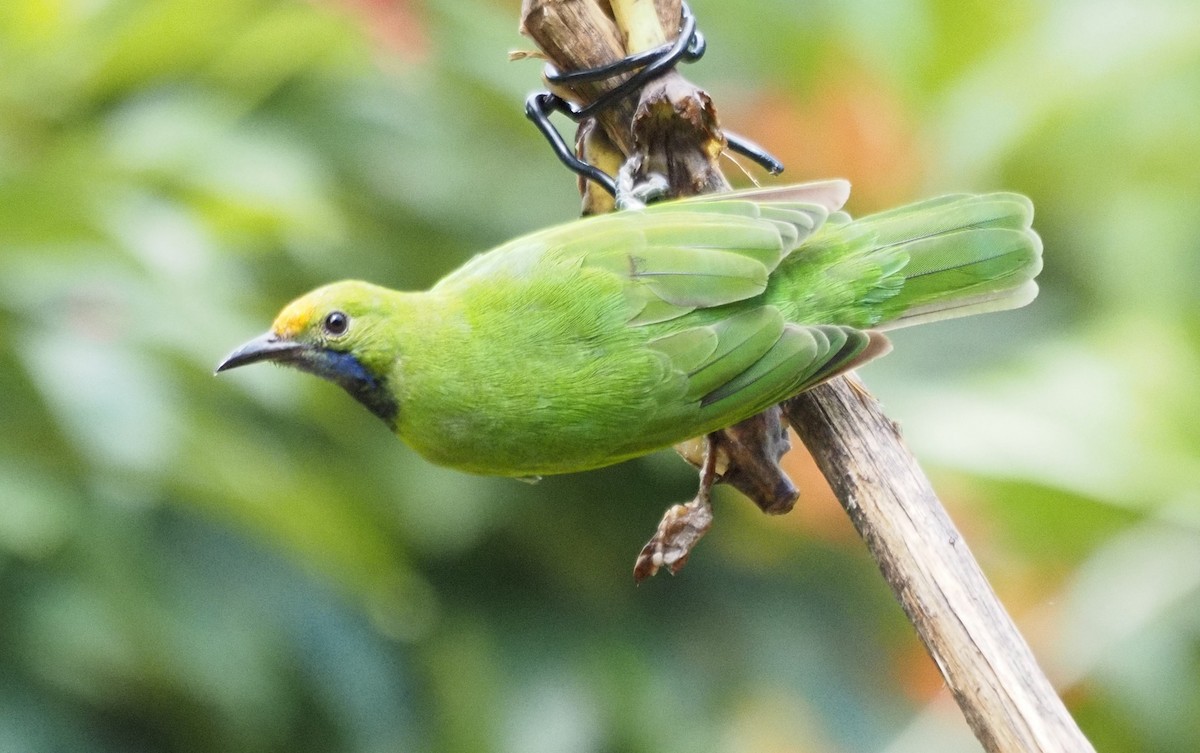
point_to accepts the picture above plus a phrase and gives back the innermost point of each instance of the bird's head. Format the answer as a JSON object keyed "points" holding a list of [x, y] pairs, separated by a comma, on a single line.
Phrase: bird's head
{"points": [[337, 332]]}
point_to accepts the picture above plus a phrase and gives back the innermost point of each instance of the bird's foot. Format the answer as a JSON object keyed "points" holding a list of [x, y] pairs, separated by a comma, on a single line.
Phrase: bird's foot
{"points": [[681, 529], [682, 526]]}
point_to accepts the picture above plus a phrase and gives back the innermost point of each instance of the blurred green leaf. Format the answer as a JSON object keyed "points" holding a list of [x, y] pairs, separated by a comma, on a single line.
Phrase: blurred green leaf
{"points": [[252, 563]]}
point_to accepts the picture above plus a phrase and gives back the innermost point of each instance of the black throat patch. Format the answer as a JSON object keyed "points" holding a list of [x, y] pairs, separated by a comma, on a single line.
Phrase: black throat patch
{"points": [[348, 372]]}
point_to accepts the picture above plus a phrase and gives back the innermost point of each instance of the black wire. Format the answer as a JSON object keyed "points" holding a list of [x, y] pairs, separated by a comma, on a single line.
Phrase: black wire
{"points": [[538, 108], [689, 46]]}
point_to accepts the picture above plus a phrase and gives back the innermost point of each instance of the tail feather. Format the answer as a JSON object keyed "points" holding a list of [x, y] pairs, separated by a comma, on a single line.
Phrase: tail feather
{"points": [[964, 255], [983, 303]]}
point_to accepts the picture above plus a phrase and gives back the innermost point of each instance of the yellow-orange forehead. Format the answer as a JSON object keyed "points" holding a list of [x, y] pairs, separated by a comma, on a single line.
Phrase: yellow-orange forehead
{"points": [[295, 317], [308, 310]]}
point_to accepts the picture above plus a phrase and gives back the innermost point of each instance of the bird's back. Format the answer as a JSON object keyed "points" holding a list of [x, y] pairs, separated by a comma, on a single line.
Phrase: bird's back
{"points": [[585, 344]]}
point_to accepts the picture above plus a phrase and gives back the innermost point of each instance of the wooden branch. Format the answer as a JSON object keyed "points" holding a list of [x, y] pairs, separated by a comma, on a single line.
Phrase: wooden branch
{"points": [[579, 34], [993, 675], [1005, 697], [671, 125]]}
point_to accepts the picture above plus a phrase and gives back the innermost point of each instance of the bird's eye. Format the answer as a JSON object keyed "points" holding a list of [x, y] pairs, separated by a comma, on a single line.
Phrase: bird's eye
{"points": [[336, 323]]}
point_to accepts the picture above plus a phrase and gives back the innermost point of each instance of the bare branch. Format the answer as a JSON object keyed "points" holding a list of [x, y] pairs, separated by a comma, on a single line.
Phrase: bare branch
{"points": [[989, 668]]}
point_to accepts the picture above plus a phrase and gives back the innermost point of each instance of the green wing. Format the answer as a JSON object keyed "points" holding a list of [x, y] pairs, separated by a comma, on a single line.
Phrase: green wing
{"points": [[731, 369], [698, 304], [692, 273], [762, 224]]}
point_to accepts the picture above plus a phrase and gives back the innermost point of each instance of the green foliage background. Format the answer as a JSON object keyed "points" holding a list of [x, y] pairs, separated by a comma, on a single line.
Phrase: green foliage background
{"points": [[252, 564]]}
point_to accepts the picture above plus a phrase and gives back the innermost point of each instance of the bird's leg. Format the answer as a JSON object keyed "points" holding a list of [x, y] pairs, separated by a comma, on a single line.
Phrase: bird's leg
{"points": [[682, 526], [631, 194]]}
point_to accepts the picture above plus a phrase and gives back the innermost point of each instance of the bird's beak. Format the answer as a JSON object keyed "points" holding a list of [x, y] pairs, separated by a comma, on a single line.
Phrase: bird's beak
{"points": [[266, 347]]}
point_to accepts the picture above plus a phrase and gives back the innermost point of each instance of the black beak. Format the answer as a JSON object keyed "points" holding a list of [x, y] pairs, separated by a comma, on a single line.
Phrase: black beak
{"points": [[268, 347]]}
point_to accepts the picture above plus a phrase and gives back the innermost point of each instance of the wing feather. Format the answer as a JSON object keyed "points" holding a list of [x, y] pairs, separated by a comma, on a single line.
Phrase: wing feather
{"points": [[742, 339], [691, 273]]}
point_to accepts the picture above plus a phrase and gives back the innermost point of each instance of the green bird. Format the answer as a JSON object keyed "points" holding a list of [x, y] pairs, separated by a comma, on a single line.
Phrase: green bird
{"points": [[610, 337]]}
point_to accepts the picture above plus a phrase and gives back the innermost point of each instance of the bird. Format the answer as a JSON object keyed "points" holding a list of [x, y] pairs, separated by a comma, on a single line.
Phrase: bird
{"points": [[610, 337]]}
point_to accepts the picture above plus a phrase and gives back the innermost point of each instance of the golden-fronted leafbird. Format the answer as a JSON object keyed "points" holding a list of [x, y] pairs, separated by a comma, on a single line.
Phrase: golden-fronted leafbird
{"points": [[609, 337]]}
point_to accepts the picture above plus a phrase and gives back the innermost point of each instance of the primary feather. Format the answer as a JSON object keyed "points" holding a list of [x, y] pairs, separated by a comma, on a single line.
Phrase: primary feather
{"points": [[609, 337]]}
